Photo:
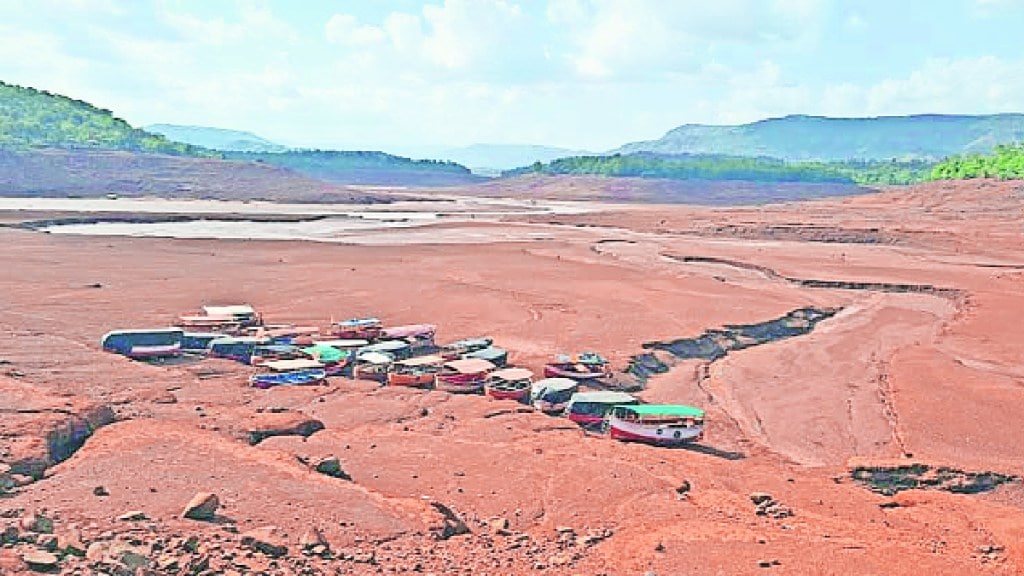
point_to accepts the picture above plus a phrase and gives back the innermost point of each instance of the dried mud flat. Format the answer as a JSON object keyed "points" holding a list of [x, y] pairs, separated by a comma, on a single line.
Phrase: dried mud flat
{"points": [[851, 447]]}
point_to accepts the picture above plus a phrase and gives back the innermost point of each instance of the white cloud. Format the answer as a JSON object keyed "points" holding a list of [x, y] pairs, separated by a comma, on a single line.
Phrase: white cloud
{"points": [[346, 29]]}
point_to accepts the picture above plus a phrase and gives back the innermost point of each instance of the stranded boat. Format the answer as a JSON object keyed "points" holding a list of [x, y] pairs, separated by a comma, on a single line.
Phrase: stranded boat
{"points": [[144, 344], [656, 423], [509, 384], [198, 342], [239, 349], [397, 349], [588, 409], [222, 318], [303, 377], [420, 337], [582, 366], [416, 372], [357, 329], [372, 366], [494, 355], [460, 348], [551, 395], [463, 376]]}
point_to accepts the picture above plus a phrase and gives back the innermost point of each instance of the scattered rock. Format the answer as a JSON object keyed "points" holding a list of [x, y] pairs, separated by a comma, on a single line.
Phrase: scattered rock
{"points": [[203, 506], [313, 538], [499, 525], [70, 543], [683, 490], [39, 560], [100, 491], [267, 540], [133, 516], [452, 525], [267, 424], [331, 466], [768, 506], [760, 497], [20, 480], [37, 522]]}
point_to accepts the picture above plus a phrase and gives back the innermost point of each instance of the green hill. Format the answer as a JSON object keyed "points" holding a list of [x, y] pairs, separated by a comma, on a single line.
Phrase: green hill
{"points": [[31, 118], [216, 138], [1005, 162], [815, 138]]}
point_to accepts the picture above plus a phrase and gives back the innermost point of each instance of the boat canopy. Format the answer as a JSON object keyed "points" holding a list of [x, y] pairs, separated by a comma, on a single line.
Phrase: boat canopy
{"points": [[359, 323], [421, 361], [491, 353], [132, 331], [254, 340], [290, 331], [327, 354], [342, 344], [375, 358], [581, 358], [602, 397], [470, 344], [231, 310], [663, 410], [511, 374], [410, 331], [290, 365], [555, 384], [469, 366], [386, 346]]}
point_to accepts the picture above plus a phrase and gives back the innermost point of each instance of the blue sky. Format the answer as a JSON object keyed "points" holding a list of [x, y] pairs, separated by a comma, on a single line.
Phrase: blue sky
{"points": [[586, 74]]}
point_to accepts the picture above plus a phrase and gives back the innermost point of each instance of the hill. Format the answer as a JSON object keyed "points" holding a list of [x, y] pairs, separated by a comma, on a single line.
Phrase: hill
{"points": [[31, 118], [365, 168], [216, 138], [800, 137]]}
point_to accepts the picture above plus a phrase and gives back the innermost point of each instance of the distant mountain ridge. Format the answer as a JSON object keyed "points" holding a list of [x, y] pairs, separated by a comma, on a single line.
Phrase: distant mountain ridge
{"points": [[493, 158], [819, 138], [217, 138]]}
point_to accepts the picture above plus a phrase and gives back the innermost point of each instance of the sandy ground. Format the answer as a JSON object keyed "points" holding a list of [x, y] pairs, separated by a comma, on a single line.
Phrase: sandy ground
{"points": [[922, 365]]}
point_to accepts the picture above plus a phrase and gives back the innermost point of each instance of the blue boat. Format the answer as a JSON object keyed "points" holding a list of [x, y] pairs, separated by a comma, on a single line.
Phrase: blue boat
{"points": [[266, 380]]}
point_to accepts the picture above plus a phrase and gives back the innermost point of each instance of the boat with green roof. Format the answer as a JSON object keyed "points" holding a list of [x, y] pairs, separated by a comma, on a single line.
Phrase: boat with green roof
{"points": [[661, 424]]}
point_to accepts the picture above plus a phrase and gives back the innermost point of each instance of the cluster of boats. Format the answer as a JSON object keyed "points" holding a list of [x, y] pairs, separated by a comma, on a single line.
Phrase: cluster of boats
{"points": [[365, 349]]}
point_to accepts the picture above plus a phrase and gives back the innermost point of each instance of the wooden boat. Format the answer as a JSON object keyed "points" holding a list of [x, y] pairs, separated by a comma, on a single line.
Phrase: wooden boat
{"points": [[222, 318], [198, 342], [583, 366], [589, 409], [551, 395], [509, 384], [372, 366], [420, 337], [145, 343], [239, 349], [291, 335], [416, 372], [357, 329], [334, 359], [397, 349], [307, 377], [262, 353], [494, 355], [463, 376], [292, 365], [459, 348], [662, 424], [222, 324]]}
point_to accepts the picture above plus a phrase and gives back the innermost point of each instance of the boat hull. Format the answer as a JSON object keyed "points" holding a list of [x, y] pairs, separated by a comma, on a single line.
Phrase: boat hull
{"points": [[550, 407], [657, 435], [555, 371], [459, 385], [517, 394], [410, 380], [300, 378]]}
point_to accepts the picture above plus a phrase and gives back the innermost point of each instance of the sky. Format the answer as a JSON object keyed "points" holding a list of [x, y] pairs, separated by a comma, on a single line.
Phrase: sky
{"points": [[399, 75]]}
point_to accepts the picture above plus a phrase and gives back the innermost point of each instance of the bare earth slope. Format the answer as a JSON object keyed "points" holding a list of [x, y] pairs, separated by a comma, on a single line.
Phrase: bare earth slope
{"points": [[921, 364]]}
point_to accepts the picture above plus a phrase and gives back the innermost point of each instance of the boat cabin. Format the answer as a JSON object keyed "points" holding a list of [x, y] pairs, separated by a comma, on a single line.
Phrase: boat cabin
{"points": [[358, 328], [397, 349], [419, 336], [292, 365], [372, 366], [466, 375], [459, 348], [144, 343], [244, 314], [590, 408], [552, 394], [240, 349], [656, 423], [493, 354]]}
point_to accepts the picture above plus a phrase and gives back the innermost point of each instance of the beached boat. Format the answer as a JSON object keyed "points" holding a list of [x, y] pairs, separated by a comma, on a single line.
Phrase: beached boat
{"points": [[222, 324], [463, 376], [305, 377], [239, 349], [222, 318], [416, 372], [419, 336], [509, 384], [262, 353], [656, 423], [583, 366], [397, 349], [334, 359], [198, 342], [358, 329], [459, 348], [291, 335], [588, 409], [145, 343], [552, 395], [493, 354], [372, 366]]}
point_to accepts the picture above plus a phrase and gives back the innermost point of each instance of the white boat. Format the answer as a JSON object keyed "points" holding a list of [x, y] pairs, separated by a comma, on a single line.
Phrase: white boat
{"points": [[662, 424]]}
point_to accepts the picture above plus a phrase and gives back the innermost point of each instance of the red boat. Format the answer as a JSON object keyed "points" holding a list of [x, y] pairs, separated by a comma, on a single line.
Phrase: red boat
{"points": [[463, 376], [358, 329], [509, 384]]}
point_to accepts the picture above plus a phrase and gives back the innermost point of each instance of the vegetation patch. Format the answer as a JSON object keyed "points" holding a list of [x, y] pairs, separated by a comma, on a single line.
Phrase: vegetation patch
{"points": [[893, 479]]}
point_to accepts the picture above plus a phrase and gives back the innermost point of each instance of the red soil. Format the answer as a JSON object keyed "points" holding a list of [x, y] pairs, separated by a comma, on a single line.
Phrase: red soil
{"points": [[894, 378]]}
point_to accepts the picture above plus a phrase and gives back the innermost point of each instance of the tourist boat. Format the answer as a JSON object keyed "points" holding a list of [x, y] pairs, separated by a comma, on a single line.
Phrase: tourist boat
{"points": [[198, 342], [334, 359], [463, 376], [459, 348], [397, 349], [222, 324], [262, 353], [292, 365], [145, 343], [494, 355], [357, 329], [294, 335], [345, 345], [222, 318], [239, 349], [583, 366], [416, 372], [372, 366], [420, 337], [305, 377], [552, 395], [656, 423], [588, 409], [509, 384]]}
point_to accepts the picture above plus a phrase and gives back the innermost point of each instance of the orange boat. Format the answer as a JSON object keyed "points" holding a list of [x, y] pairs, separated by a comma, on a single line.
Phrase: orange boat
{"points": [[415, 372], [463, 376]]}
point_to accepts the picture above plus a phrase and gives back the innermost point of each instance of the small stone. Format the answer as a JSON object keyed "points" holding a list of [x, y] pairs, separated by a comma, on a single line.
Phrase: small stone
{"points": [[313, 538], [39, 560], [499, 525], [331, 466], [683, 490], [47, 542], [21, 480], [766, 563], [9, 535], [133, 516], [100, 491], [38, 523], [761, 497], [96, 551], [266, 540], [203, 507], [70, 543]]}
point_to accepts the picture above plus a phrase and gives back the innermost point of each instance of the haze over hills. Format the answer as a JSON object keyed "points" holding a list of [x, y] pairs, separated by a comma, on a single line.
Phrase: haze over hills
{"points": [[798, 137], [217, 138], [492, 159]]}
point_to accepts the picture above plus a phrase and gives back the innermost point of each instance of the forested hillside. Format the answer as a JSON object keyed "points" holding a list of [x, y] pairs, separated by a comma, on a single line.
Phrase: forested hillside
{"points": [[375, 168], [31, 118], [1006, 161]]}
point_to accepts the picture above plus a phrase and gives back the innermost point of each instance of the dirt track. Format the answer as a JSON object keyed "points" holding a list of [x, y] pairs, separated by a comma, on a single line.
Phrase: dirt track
{"points": [[896, 377]]}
